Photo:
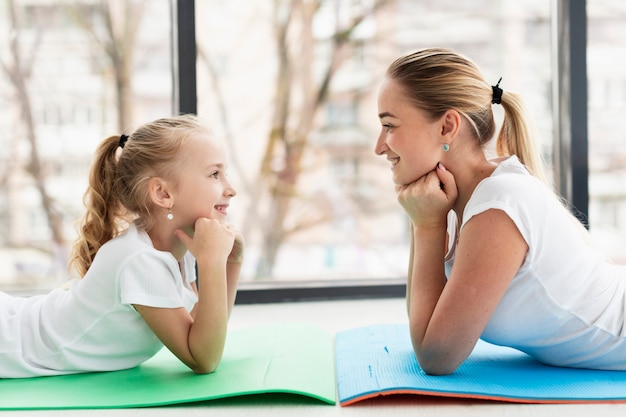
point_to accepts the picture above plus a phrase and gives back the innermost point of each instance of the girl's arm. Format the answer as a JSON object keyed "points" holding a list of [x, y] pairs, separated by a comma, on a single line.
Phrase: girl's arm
{"points": [[198, 340], [233, 270]]}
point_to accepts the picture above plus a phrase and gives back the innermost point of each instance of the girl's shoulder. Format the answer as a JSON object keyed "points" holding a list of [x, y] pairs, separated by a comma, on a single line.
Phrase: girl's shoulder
{"points": [[130, 240], [131, 246]]}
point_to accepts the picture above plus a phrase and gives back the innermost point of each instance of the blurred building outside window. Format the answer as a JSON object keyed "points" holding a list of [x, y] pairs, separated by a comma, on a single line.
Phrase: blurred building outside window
{"points": [[291, 88]]}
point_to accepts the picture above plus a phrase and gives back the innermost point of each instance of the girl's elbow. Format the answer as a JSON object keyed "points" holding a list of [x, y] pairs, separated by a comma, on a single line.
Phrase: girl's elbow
{"points": [[202, 369], [206, 366]]}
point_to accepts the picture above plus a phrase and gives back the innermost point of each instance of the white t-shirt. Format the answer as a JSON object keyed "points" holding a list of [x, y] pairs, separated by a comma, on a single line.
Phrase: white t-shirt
{"points": [[566, 305], [92, 326]]}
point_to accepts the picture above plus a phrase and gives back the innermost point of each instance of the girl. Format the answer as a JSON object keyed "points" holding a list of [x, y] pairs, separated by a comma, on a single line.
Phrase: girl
{"points": [[494, 253], [156, 205]]}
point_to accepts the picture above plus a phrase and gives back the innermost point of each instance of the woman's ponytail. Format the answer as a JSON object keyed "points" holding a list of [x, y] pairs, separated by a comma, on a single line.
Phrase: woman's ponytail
{"points": [[518, 137]]}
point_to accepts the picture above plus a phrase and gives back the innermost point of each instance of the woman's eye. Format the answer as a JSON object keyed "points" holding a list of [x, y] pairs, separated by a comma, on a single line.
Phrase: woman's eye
{"points": [[387, 127]]}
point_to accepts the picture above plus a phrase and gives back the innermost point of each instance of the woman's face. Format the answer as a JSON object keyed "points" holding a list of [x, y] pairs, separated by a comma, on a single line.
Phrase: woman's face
{"points": [[410, 140]]}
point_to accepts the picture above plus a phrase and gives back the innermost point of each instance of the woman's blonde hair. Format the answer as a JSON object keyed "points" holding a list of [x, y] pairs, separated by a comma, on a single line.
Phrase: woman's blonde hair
{"points": [[437, 80], [118, 181]]}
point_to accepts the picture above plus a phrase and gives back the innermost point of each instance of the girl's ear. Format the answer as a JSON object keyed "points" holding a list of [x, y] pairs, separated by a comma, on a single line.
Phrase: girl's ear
{"points": [[450, 125], [160, 192]]}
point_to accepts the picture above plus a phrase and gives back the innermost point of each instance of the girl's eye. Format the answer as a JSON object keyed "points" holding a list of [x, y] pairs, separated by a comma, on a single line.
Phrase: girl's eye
{"points": [[214, 174]]}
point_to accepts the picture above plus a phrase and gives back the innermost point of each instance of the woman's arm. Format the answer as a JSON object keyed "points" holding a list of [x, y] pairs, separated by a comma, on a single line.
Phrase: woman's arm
{"points": [[410, 272], [447, 318], [198, 341], [409, 276]]}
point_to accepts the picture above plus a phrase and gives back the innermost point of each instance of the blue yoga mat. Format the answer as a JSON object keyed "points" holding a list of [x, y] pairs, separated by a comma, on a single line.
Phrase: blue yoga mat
{"points": [[378, 360]]}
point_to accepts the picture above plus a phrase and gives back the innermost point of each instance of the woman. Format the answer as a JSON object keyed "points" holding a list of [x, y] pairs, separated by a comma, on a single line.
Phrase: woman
{"points": [[494, 253]]}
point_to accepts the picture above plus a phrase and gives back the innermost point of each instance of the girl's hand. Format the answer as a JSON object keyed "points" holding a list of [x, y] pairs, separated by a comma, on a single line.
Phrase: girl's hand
{"points": [[236, 254], [428, 199], [211, 240]]}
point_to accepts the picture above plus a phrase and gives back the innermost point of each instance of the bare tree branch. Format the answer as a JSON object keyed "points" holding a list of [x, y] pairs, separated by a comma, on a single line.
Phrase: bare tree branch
{"points": [[18, 74], [289, 146], [120, 23]]}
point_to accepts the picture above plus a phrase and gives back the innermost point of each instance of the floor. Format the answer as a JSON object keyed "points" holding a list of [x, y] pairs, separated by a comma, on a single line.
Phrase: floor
{"points": [[335, 316]]}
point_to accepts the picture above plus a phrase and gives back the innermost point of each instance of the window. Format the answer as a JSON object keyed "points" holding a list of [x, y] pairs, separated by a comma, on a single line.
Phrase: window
{"points": [[607, 146], [58, 101], [292, 91]]}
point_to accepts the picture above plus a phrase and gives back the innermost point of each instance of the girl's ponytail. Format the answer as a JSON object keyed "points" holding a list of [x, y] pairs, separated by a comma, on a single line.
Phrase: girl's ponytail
{"points": [[104, 213]]}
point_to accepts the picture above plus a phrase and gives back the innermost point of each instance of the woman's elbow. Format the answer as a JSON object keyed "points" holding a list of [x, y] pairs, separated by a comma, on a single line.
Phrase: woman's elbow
{"points": [[437, 367], [435, 361]]}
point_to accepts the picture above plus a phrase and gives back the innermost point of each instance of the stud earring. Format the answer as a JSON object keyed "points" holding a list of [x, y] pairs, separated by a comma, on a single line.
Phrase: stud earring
{"points": [[445, 147], [170, 216]]}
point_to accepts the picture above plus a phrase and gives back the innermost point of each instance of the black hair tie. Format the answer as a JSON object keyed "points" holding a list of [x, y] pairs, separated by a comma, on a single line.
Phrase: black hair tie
{"points": [[123, 139], [497, 93]]}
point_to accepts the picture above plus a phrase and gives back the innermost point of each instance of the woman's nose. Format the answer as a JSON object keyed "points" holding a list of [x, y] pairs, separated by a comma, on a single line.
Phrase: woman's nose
{"points": [[381, 146]]}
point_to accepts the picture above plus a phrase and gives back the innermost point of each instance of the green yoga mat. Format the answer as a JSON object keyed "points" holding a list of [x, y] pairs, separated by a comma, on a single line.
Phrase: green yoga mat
{"points": [[284, 358]]}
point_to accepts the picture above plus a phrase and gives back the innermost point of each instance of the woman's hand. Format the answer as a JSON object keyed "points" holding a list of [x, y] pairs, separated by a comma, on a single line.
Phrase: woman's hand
{"points": [[428, 199]]}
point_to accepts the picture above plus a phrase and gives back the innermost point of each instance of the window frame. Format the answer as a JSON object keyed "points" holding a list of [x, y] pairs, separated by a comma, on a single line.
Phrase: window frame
{"points": [[569, 104]]}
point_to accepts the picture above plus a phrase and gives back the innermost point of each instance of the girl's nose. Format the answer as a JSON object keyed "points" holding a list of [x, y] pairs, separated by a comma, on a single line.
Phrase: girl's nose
{"points": [[230, 190]]}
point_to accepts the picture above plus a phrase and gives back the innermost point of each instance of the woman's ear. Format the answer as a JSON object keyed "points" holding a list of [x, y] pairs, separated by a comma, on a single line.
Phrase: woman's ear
{"points": [[450, 125], [159, 192]]}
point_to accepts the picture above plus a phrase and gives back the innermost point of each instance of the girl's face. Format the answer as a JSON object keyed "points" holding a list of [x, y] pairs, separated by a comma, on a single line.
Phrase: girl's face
{"points": [[410, 140], [203, 189]]}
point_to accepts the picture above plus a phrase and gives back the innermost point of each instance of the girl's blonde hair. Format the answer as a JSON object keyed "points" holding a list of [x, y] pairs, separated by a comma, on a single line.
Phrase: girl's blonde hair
{"points": [[118, 181], [437, 80]]}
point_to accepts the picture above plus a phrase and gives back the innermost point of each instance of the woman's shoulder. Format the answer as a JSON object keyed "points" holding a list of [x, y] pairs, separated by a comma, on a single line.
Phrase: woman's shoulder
{"points": [[512, 189], [510, 178]]}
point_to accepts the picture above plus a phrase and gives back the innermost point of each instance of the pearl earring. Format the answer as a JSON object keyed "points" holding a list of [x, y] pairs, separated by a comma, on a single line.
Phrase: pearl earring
{"points": [[445, 147], [170, 216]]}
